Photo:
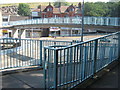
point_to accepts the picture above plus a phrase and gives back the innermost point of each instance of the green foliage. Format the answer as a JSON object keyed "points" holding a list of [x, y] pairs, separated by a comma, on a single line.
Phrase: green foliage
{"points": [[59, 3], [118, 9], [24, 9], [39, 6], [102, 9]]}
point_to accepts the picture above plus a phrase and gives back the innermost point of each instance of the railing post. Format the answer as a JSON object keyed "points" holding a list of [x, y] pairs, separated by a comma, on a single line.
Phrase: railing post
{"points": [[95, 56], [107, 21], [55, 68], [119, 46], [0, 54], [48, 20], [116, 21], [45, 70], [41, 53], [55, 19], [41, 20], [101, 20], [84, 62]]}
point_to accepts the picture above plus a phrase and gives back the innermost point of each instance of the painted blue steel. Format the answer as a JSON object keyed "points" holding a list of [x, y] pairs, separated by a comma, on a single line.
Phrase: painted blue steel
{"points": [[119, 45], [41, 52], [95, 56], [106, 21], [65, 64], [82, 60], [29, 53]]}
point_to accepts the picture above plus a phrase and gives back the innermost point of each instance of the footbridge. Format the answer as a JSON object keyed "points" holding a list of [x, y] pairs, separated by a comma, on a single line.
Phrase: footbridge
{"points": [[98, 22]]}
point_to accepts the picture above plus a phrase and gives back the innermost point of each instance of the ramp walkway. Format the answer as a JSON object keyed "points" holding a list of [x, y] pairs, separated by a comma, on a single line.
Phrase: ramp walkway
{"points": [[34, 79]]}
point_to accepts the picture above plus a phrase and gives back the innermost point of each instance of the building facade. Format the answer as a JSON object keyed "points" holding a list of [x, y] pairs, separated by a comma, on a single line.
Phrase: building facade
{"points": [[62, 11], [9, 14]]}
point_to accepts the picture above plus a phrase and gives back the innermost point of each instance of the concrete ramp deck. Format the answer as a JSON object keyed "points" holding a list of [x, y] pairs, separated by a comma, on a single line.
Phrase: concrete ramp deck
{"points": [[34, 79], [109, 80], [31, 79]]}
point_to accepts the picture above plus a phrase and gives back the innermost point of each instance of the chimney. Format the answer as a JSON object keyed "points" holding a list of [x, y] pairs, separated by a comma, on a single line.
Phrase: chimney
{"points": [[79, 5], [49, 3]]}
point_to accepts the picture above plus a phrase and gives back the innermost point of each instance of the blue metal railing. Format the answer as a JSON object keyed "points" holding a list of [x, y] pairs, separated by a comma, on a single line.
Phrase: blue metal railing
{"points": [[24, 52], [107, 21], [68, 66]]}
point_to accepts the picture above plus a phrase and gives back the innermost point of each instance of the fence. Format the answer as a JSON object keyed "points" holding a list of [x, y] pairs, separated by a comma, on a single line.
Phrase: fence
{"points": [[24, 52], [107, 21], [68, 66]]}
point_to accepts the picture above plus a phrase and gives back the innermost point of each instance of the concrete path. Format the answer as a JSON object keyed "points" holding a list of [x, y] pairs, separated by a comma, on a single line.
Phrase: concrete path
{"points": [[109, 80], [32, 79]]}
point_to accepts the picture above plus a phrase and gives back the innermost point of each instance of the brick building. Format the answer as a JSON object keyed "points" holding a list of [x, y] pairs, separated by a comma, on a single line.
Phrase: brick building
{"points": [[62, 11]]}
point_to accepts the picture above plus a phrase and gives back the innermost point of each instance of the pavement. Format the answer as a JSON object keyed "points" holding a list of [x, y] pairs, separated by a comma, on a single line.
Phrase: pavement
{"points": [[109, 80], [31, 79], [85, 37], [34, 79]]}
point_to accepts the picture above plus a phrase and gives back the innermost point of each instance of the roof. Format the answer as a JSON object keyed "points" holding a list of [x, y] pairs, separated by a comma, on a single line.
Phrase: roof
{"points": [[63, 8], [36, 10], [56, 10], [9, 10], [8, 13], [42, 8], [16, 18]]}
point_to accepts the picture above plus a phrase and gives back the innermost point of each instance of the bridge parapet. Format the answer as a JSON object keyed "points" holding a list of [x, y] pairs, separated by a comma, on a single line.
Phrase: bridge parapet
{"points": [[73, 64], [103, 21]]}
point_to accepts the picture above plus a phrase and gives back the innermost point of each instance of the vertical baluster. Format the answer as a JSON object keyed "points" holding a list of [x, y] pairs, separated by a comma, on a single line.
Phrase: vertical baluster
{"points": [[95, 56]]}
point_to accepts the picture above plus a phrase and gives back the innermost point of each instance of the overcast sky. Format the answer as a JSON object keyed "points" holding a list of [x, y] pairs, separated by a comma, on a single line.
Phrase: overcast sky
{"points": [[25, 1]]}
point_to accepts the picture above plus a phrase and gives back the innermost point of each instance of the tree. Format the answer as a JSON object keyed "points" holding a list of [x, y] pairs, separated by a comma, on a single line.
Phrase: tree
{"points": [[24, 9], [59, 3], [102, 9], [39, 7], [118, 9]]}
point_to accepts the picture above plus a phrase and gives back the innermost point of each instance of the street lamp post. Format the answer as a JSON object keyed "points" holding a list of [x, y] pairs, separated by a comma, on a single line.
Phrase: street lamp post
{"points": [[82, 21]]}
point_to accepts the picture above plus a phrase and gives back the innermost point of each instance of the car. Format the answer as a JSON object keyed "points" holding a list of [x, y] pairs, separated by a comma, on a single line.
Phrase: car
{"points": [[8, 43]]}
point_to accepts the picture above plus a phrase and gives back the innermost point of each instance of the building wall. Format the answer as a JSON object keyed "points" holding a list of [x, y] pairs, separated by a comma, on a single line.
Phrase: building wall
{"points": [[45, 32], [35, 14], [0, 19], [0, 23], [31, 33], [70, 11], [71, 14]]}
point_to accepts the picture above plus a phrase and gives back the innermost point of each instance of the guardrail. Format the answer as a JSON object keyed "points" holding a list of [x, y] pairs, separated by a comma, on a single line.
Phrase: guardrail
{"points": [[16, 53], [107, 21], [68, 66]]}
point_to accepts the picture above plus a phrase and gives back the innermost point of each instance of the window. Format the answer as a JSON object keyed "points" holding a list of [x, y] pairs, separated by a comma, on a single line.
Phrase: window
{"points": [[45, 16], [77, 16], [71, 9], [5, 19], [34, 13], [55, 15], [75, 31], [49, 9], [66, 15]]}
